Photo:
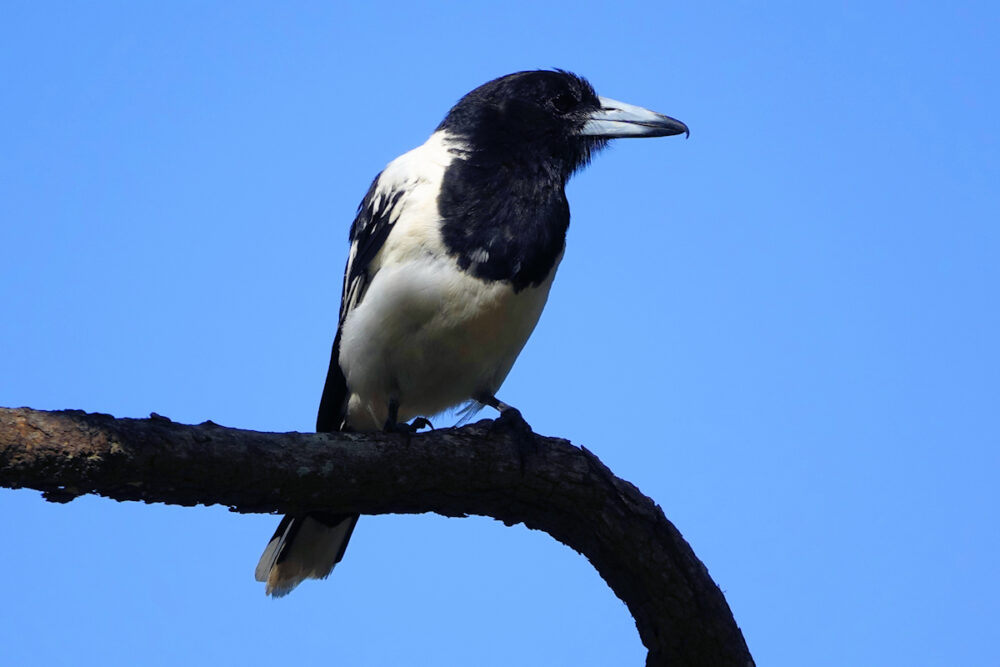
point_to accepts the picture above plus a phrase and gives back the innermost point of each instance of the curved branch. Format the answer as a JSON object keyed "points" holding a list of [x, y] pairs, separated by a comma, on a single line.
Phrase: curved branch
{"points": [[489, 468]]}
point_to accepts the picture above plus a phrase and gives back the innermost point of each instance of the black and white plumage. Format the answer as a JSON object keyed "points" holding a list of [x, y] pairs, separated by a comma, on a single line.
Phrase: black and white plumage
{"points": [[453, 251]]}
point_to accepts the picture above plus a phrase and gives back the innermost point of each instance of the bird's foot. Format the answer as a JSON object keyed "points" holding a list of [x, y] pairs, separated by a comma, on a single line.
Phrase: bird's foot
{"points": [[407, 429], [392, 425], [510, 418], [422, 422], [511, 423]]}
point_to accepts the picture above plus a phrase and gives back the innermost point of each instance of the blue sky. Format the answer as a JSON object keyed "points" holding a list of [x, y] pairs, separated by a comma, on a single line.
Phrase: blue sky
{"points": [[784, 329]]}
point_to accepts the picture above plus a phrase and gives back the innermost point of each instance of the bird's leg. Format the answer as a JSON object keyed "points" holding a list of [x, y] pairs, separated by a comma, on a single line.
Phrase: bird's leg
{"points": [[392, 421], [393, 425]]}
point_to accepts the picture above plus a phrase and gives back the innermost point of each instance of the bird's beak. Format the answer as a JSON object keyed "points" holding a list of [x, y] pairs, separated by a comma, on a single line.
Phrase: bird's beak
{"points": [[617, 119]]}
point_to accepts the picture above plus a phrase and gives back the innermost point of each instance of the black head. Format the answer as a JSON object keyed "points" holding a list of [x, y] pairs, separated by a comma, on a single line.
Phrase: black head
{"points": [[551, 116], [502, 200], [528, 116]]}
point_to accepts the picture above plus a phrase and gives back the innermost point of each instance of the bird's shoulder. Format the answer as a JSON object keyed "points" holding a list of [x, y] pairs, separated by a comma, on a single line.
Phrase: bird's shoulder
{"points": [[398, 217]]}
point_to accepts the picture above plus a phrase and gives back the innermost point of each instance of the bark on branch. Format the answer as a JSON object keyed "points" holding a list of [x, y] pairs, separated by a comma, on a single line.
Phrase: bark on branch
{"points": [[502, 471]]}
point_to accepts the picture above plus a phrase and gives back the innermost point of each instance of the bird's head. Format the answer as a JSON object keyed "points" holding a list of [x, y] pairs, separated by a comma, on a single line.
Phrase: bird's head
{"points": [[548, 116]]}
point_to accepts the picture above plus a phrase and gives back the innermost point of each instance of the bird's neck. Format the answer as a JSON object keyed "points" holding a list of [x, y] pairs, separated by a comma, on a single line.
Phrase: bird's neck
{"points": [[504, 219]]}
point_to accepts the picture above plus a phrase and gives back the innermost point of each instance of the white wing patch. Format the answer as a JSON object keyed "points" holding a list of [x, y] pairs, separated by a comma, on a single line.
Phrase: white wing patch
{"points": [[400, 215]]}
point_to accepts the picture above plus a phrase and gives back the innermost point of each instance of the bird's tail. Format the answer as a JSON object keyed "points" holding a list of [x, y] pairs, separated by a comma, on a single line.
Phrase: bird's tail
{"points": [[304, 547], [307, 546]]}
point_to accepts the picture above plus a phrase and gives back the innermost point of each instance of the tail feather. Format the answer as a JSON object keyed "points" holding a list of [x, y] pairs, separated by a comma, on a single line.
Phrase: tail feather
{"points": [[304, 547], [307, 546]]}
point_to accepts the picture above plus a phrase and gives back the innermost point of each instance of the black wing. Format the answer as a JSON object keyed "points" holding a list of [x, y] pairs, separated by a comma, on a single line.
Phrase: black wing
{"points": [[369, 231]]}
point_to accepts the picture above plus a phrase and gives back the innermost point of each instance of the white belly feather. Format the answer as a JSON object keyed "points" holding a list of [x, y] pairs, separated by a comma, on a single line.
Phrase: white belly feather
{"points": [[432, 337]]}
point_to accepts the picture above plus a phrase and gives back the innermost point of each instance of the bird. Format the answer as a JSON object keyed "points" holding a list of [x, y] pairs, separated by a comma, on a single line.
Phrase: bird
{"points": [[452, 253]]}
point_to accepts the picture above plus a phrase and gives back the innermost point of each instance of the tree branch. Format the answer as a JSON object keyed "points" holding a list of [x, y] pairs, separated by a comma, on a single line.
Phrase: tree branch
{"points": [[487, 468]]}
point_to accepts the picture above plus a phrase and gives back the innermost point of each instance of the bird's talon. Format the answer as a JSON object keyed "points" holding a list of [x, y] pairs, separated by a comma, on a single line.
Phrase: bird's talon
{"points": [[421, 422], [407, 429], [510, 420]]}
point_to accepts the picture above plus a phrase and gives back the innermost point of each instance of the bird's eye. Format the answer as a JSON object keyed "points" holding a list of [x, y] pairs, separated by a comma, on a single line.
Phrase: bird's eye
{"points": [[564, 102]]}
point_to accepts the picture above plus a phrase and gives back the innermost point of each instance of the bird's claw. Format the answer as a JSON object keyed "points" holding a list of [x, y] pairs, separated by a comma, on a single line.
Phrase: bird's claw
{"points": [[408, 429], [510, 422], [421, 422]]}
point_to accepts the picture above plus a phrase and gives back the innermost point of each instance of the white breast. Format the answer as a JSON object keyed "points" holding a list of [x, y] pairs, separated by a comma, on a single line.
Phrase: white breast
{"points": [[432, 337]]}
